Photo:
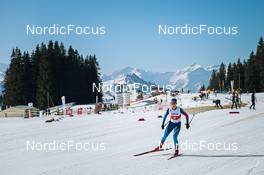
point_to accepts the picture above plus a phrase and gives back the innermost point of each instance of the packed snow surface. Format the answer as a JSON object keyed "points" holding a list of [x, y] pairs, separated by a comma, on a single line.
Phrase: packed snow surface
{"points": [[112, 139]]}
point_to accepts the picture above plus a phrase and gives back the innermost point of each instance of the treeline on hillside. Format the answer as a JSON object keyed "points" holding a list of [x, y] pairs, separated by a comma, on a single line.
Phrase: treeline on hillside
{"points": [[247, 75], [49, 73]]}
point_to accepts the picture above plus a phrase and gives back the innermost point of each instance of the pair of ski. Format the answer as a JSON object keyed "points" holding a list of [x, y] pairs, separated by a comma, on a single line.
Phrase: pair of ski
{"points": [[155, 150]]}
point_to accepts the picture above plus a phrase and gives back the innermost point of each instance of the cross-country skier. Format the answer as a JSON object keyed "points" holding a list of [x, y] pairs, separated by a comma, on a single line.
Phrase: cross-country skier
{"points": [[253, 100], [174, 124]]}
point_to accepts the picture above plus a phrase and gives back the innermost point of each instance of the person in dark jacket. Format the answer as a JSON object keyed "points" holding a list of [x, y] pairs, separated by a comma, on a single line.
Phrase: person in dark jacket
{"points": [[253, 100], [234, 102]]}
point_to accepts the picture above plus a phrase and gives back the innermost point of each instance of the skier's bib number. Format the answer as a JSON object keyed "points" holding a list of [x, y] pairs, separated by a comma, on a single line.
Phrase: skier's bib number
{"points": [[175, 117]]}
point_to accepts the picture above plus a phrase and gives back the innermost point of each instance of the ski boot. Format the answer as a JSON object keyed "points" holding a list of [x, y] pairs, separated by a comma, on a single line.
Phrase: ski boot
{"points": [[176, 153], [158, 148]]}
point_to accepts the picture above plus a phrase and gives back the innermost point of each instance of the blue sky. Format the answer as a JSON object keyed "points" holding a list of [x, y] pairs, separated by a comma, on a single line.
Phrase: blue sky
{"points": [[131, 30]]}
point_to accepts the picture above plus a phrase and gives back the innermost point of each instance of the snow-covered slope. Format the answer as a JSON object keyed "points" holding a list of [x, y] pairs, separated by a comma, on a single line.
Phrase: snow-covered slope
{"points": [[189, 78], [112, 140]]}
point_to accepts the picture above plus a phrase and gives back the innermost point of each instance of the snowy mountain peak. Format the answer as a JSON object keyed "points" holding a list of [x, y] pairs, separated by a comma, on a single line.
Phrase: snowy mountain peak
{"points": [[191, 68], [124, 71], [2, 76], [126, 79], [212, 67], [134, 78], [3, 68], [189, 78], [194, 66]]}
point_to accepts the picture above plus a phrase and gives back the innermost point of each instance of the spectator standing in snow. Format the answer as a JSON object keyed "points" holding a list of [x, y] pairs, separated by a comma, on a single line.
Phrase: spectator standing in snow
{"points": [[234, 102], [238, 102], [253, 100]]}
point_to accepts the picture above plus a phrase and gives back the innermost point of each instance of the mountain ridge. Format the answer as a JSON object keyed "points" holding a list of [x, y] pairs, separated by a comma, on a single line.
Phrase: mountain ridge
{"points": [[191, 77], [3, 68]]}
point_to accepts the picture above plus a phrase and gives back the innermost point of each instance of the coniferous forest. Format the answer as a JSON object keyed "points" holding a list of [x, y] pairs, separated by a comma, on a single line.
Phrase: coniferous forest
{"points": [[248, 75], [50, 72]]}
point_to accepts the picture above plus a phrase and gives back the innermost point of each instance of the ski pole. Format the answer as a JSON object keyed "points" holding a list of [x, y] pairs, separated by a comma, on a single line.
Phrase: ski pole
{"points": [[166, 123], [192, 119]]}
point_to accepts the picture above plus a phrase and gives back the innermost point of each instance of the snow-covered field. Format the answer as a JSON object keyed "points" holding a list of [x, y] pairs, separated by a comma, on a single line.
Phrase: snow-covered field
{"points": [[111, 140]]}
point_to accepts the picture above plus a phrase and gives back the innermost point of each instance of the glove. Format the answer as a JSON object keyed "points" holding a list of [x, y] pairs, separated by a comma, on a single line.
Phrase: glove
{"points": [[162, 126], [187, 125]]}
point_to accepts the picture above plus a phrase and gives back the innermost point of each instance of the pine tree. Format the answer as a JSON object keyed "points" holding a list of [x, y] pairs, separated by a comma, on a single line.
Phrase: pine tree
{"points": [[260, 60], [240, 75], [202, 88], [27, 78], [214, 81], [230, 76], [222, 76], [94, 70], [252, 74], [35, 56], [235, 76], [50, 72], [14, 82], [248, 76], [43, 80]]}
